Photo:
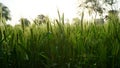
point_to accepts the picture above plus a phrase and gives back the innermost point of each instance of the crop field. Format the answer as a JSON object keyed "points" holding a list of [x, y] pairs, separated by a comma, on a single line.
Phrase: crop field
{"points": [[60, 45]]}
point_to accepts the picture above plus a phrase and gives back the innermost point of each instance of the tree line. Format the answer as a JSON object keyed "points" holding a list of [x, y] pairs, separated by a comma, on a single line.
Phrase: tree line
{"points": [[97, 7]]}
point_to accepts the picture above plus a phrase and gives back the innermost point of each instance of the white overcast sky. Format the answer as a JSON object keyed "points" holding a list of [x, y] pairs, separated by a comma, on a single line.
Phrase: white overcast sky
{"points": [[31, 8]]}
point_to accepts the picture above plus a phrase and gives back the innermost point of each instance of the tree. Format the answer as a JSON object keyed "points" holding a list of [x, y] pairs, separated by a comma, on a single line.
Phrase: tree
{"points": [[93, 6], [4, 13], [100, 6], [41, 19], [24, 22], [112, 10], [110, 3], [76, 20]]}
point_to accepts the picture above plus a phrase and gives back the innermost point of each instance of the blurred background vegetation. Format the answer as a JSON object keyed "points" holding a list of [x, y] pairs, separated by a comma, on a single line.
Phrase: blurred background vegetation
{"points": [[46, 43]]}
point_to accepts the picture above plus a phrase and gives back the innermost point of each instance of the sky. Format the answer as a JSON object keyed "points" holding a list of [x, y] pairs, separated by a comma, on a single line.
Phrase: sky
{"points": [[31, 8]]}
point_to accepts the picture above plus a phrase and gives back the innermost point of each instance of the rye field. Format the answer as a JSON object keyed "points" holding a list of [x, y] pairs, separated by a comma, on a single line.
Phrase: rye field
{"points": [[60, 45]]}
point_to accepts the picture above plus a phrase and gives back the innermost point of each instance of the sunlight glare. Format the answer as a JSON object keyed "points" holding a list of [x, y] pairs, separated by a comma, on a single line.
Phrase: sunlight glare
{"points": [[31, 8]]}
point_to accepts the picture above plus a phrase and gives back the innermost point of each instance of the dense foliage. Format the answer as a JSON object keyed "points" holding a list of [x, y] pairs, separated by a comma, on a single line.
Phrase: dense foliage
{"points": [[59, 45], [4, 13]]}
